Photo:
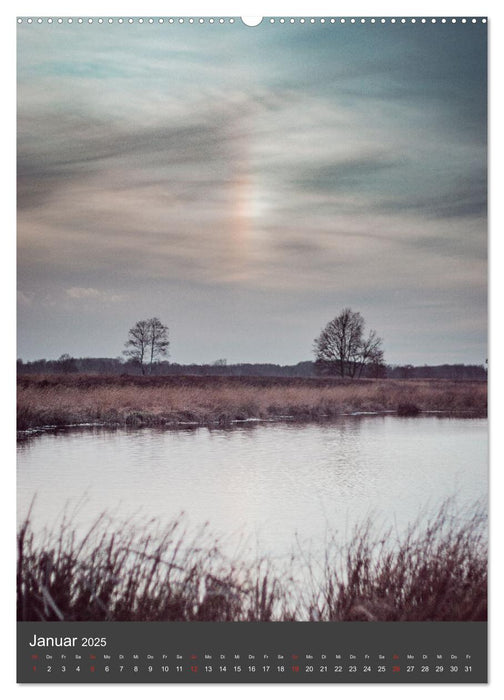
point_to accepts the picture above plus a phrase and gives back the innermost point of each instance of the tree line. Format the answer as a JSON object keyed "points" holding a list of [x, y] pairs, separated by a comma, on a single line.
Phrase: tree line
{"points": [[342, 349], [118, 366]]}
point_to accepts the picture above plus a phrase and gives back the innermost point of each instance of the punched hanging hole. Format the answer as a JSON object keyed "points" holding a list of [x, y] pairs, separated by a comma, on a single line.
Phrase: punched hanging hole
{"points": [[251, 21]]}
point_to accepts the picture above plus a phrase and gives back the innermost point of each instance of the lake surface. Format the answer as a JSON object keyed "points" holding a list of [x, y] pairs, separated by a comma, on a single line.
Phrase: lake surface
{"points": [[273, 484]]}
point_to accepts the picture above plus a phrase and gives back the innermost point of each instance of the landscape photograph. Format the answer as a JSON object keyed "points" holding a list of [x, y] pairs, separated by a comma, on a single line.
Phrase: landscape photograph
{"points": [[252, 320]]}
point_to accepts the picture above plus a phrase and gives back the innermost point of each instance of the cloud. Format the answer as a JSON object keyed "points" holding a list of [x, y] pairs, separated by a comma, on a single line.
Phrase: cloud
{"points": [[83, 293], [461, 197], [269, 168], [88, 293], [24, 299], [347, 173]]}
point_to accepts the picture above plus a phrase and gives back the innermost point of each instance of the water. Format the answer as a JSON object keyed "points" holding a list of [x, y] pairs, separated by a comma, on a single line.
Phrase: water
{"points": [[274, 485]]}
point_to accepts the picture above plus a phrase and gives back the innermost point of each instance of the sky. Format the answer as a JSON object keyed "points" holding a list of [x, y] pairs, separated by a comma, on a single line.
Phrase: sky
{"points": [[246, 184]]}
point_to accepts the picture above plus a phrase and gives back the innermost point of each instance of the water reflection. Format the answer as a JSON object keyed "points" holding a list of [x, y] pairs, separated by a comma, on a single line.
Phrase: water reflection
{"points": [[270, 482]]}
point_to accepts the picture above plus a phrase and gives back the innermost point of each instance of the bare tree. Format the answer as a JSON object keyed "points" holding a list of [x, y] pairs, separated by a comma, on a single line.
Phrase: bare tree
{"points": [[147, 341], [342, 349], [67, 364], [158, 342], [371, 353]]}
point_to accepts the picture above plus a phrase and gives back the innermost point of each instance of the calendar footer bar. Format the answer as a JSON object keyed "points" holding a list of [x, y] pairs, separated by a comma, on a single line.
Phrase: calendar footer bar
{"points": [[252, 652]]}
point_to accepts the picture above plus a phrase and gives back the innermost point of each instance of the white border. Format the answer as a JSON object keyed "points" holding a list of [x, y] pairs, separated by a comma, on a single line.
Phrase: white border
{"points": [[7, 277]]}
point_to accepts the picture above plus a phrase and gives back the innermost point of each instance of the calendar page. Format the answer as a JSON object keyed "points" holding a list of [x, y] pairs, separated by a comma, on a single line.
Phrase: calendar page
{"points": [[252, 341]]}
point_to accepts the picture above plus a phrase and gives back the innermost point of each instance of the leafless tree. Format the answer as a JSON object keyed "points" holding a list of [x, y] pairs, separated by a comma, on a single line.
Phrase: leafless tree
{"points": [[147, 341], [158, 341], [342, 349], [67, 364]]}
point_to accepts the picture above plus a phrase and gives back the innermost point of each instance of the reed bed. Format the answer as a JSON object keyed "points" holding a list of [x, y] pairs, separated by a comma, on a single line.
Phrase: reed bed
{"points": [[135, 572], [171, 401]]}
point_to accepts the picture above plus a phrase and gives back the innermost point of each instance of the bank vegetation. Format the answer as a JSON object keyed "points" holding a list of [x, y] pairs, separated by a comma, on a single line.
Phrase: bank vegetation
{"points": [[66, 400], [146, 572]]}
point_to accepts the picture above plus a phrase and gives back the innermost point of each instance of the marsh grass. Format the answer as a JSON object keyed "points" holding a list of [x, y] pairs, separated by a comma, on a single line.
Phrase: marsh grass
{"points": [[434, 572], [172, 401], [142, 572]]}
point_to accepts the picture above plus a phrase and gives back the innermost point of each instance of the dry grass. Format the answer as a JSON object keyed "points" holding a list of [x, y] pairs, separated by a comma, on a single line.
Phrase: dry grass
{"points": [[138, 401], [435, 572], [145, 573]]}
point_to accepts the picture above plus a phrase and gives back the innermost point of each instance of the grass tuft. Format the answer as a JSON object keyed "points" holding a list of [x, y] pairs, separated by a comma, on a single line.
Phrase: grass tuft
{"points": [[145, 573]]}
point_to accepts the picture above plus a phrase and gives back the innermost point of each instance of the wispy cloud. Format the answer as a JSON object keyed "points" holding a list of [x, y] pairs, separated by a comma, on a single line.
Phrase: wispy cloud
{"points": [[89, 293], [175, 168]]}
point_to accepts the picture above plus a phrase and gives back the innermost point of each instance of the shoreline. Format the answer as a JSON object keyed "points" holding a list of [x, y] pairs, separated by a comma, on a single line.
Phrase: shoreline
{"points": [[54, 401], [250, 422]]}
